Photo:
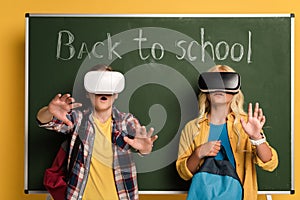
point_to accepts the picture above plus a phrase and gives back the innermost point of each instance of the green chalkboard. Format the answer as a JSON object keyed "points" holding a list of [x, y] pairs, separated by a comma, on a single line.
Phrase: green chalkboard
{"points": [[161, 57]]}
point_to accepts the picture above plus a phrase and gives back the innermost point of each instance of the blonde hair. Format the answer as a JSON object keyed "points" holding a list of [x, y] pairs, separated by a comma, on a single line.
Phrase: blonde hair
{"points": [[236, 104]]}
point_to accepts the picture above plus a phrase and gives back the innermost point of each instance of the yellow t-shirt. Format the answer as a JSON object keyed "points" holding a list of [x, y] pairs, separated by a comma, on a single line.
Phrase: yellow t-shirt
{"points": [[101, 183]]}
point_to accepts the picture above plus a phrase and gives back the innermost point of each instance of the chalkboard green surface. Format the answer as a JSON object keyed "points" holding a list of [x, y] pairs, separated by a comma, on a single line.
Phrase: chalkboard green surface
{"points": [[161, 57]]}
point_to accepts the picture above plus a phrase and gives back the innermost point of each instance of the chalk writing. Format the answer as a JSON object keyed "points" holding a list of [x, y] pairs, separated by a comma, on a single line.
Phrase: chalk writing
{"points": [[190, 50]]}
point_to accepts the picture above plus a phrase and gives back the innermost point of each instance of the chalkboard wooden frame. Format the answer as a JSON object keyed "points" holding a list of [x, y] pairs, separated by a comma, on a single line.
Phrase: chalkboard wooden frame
{"points": [[30, 61]]}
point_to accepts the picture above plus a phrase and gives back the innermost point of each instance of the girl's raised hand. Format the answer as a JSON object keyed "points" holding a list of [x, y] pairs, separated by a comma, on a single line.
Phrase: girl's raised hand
{"points": [[255, 123]]}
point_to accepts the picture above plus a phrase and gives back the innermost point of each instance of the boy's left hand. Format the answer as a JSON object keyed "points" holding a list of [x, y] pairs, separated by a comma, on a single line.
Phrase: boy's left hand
{"points": [[143, 140]]}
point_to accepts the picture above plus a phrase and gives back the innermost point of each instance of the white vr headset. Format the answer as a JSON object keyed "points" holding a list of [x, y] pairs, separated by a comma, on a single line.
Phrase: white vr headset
{"points": [[104, 82]]}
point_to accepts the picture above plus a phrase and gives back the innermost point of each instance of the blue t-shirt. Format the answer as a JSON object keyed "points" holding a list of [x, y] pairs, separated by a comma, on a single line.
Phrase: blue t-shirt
{"points": [[219, 132]]}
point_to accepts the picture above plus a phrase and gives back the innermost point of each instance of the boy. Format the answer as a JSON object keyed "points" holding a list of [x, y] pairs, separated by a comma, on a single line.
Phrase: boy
{"points": [[104, 168]]}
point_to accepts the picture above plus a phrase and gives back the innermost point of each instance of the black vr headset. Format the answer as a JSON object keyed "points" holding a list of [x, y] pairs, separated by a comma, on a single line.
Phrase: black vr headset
{"points": [[229, 82]]}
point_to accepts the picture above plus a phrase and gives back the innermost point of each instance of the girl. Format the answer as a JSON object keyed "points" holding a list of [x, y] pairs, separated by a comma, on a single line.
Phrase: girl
{"points": [[222, 121]]}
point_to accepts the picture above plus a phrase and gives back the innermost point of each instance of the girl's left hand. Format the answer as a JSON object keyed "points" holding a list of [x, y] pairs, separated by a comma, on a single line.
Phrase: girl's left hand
{"points": [[255, 122], [143, 140]]}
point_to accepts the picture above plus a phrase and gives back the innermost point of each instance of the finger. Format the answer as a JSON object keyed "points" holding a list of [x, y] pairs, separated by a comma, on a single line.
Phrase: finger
{"points": [[70, 100], [260, 112], [263, 120], [218, 143], [215, 143], [128, 140], [75, 105], [217, 146], [213, 152], [150, 132], [64, 97], [66, 121], [153, 138], [136, 123], [137, 127], [250, 110], [211, 146], [259, 117], [214, 147], [216, 150], [256, 110], [143, 131], [57, 97]]}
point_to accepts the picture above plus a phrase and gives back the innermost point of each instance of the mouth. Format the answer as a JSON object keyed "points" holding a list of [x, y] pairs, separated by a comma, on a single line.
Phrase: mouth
{"points": [[103, 98], [218, 94]]}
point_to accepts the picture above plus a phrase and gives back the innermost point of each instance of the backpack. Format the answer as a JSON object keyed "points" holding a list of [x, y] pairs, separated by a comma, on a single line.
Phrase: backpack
{"points": [[56, 177], [216, 180]]}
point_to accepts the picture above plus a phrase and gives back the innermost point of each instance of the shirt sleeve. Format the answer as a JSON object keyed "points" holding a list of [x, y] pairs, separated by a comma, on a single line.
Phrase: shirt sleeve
{"points": [[184, 151], [129, 123], [271, 164], [57, 125]]}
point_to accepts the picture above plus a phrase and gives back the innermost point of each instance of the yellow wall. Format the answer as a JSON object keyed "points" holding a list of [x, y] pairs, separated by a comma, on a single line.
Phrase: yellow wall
{"points": [[12, 44]]}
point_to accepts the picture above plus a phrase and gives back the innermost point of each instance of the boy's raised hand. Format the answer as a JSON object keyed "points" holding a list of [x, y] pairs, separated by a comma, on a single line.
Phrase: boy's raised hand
{"points": [[61, 105], [143, 140]]}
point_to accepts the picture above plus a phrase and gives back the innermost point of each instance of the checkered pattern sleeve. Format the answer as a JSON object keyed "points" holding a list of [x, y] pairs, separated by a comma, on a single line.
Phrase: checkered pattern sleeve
{"points": [[58, 126]]}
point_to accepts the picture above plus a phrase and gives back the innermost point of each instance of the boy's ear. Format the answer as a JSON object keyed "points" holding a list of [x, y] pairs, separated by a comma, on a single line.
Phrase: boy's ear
{"points": [[116, 96]]}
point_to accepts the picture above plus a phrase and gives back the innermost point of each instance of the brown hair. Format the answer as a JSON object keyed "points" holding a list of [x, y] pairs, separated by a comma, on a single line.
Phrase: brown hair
{"points": [[101, 67]]}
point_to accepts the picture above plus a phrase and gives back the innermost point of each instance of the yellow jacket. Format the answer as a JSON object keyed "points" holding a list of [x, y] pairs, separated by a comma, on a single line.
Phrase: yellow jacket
{"points": [[196, 132]]}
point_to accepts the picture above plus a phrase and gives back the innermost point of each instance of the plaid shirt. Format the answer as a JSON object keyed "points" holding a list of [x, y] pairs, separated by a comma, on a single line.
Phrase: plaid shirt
{"points": [[123, 164]]}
